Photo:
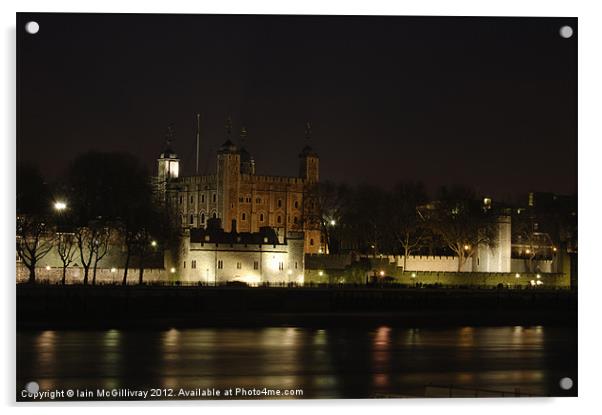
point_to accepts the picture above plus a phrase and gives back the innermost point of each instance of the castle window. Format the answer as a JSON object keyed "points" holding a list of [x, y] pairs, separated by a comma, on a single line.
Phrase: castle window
{"points": [[214, 215], [238, 265], [311, 241], [181, 199], [279, 202], [295, 219], [261, 217], [258, 200], [244, 216], [279, 219], [203, 198], [296, 264], [281, 266], [184, 264], [202, 218], [296, 204], [255, 264], [214, 197], [248, 200], [191, 199], [192, 219], [220, 264], [240, 199], [193, 264]]}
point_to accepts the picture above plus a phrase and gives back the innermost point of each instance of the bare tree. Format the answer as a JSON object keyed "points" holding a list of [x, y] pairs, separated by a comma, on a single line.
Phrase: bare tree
{"points": [[66, 247], [142, 247], [406, 225], [101, 248], [34, 241], [533, 243], [92, 243], [458, 218], [323, 207]]}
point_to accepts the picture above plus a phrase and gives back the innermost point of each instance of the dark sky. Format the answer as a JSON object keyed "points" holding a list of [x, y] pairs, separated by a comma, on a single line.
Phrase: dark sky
{"points": [[485, 102]]}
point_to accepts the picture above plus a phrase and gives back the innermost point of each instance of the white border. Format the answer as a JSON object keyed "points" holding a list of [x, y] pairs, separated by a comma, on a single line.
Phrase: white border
{"points": [[590, 135]]}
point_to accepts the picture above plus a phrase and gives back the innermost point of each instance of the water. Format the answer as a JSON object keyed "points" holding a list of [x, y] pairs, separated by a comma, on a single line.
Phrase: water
{"points": [[324, 363]]}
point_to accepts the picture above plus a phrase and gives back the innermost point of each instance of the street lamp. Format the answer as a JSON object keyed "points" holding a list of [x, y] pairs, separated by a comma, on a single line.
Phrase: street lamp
{"points": [[333, 222], [154, 243], [60, 206]]}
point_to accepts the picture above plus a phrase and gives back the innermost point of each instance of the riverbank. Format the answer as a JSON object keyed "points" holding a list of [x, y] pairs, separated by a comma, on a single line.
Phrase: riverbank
{"points": [[156, 307]]}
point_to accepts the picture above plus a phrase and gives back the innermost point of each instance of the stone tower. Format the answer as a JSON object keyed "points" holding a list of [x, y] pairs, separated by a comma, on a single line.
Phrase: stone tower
{"points": [[309, 162], [168, 167], [228, 181]]}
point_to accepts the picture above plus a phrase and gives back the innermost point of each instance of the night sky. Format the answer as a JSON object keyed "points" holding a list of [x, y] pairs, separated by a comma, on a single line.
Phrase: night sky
{"points": [[485, 102]]}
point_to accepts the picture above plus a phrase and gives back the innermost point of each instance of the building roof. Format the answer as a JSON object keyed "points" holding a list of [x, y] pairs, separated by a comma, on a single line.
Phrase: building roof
{"points": [[308, 151], [215, 234], [228, 147], [168, 153]]}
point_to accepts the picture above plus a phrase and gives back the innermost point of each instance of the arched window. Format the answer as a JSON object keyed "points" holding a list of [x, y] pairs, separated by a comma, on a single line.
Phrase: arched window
{"points": [[261, 217], [279, 219], [296, 204], [244, 216], [192, 219], [311, 242], [295, 219], [202, 217], [214, 215], [279, 202], [214, 197]]}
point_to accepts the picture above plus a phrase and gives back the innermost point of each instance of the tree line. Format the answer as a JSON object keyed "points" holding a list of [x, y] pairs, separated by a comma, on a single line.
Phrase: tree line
{"points": [[108, 198], [404, 221]]}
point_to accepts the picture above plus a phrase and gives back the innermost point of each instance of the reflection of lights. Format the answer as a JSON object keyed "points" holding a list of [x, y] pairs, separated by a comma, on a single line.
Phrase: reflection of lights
{"points": [[538, 276], [413, 275], [172, 270], [333, 222], [532, 282], [517, 275], [554, 249], [539, 282], [382, 273], [320, 273], [527, 251], [154, 243]]}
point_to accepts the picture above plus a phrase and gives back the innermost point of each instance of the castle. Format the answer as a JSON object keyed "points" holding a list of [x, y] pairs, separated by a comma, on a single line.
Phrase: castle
{"points": [[236, 194]]}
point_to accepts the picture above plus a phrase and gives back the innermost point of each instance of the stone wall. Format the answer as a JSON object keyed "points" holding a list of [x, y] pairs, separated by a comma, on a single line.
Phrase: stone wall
{"points": [[75, 275]]}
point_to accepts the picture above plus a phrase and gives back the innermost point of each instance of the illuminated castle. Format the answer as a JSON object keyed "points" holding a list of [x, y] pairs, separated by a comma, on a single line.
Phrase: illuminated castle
{"points": [[235, 194]]}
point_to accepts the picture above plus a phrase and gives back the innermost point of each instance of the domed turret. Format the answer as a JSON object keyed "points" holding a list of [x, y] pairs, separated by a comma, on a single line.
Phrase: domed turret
{"points": [[309, 160], [228, 148]]}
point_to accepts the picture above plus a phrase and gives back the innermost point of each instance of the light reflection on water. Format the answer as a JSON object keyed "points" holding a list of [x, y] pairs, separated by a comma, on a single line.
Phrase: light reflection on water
{"points": [[326, 363]]}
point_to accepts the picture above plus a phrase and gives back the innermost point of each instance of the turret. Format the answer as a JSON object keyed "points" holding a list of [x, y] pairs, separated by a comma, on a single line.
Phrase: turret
{"points": [[247, 162], [168, 166], [228, 180], [309, 162]]}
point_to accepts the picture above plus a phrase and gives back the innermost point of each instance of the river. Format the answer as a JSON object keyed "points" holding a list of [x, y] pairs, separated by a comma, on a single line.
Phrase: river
{"points": [[322, 363]]}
